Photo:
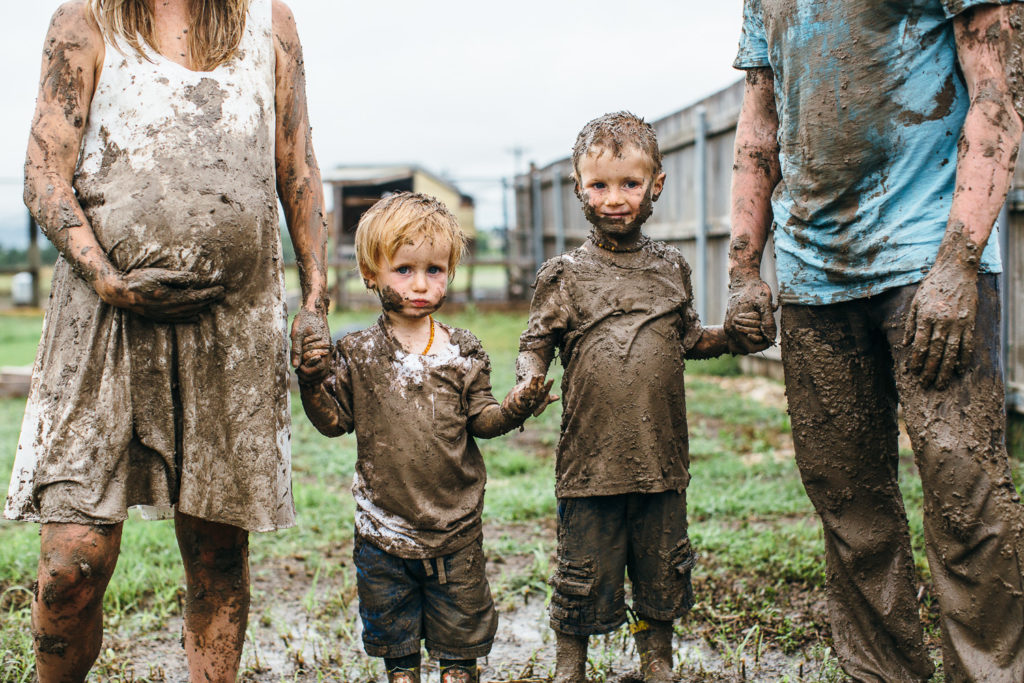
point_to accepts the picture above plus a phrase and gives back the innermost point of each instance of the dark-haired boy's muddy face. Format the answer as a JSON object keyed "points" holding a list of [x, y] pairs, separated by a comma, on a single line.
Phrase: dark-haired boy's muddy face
{"points": [[618, 192]]}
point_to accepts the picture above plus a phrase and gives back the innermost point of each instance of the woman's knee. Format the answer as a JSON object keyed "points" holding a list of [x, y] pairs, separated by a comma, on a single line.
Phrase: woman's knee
{"points": [[75, 564]]}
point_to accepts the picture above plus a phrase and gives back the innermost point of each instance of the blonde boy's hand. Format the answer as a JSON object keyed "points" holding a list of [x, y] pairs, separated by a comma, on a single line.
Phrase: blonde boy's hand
{"points": [[314, 358], [528, 397]]}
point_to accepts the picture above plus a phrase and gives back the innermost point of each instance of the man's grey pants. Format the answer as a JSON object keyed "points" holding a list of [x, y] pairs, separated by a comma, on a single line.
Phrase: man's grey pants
{"points": [[846, 368]]}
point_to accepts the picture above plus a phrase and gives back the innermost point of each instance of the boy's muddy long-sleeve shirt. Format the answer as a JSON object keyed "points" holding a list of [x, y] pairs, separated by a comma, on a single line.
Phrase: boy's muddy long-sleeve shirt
{"points": [[419, 476], [622, 323]]}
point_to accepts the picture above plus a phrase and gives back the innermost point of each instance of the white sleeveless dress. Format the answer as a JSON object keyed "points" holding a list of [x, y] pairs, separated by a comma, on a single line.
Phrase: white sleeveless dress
{"points": [[177, 171]]}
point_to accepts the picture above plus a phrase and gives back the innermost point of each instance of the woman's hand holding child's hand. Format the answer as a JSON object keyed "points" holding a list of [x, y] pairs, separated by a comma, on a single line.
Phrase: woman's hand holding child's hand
{"points": [[314, 364]]}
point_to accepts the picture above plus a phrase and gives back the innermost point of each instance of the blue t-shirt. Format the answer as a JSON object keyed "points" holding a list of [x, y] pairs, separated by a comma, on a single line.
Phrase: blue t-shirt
{"points": [[871, 104]]}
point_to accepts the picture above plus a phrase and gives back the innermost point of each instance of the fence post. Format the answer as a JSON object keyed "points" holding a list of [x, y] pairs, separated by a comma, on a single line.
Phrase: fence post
{"points": [[538, 218], [34, 263], [701, 207], [557, 209]]}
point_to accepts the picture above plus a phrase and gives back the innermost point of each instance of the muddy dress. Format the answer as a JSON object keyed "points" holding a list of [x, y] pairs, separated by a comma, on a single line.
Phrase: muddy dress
{"points": [[176, 172]]}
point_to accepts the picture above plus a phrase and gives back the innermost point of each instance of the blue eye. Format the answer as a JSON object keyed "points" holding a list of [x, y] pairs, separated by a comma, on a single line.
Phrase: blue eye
{"points": [[632, 184], [434, 270], [598, 186], [403, 270]]}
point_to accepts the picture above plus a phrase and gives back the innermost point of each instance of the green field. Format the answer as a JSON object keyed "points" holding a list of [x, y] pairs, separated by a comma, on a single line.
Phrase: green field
{"points": [[759, 613]]}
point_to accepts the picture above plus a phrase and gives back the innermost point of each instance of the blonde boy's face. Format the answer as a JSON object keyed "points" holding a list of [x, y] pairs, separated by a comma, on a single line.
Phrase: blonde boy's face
{"points": [[414, 282], [617, 191]]}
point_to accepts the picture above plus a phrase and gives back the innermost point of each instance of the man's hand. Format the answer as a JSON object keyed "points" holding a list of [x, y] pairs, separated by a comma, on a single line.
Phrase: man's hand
{"points": [[940, 326], [308, 325], [750, 316], [528, 397], [161, 295]]}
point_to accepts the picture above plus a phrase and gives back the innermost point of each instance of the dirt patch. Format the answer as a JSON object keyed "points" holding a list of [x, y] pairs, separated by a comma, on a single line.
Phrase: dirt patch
{"points": [[304, 626]]}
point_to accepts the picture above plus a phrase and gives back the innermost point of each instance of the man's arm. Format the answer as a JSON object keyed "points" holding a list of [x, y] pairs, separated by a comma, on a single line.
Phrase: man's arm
{"points": [[940, 327], [72, 59], [298, 178], [749, 318]]}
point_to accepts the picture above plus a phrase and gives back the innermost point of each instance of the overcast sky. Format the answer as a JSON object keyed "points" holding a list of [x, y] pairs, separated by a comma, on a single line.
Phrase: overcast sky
{"points": [[452, 85]]}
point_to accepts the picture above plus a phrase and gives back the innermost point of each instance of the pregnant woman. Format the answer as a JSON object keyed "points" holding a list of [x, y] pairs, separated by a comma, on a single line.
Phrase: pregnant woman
{"points": [[164, 132]]}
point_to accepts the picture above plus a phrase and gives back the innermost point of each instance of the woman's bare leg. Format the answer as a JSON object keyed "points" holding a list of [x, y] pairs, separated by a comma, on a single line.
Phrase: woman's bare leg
{"points": [[216, 558], [75, 565]]}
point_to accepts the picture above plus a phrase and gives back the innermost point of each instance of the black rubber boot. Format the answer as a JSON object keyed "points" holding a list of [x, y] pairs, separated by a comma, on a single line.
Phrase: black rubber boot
{"points": [[570, 658], [404, 675], [460, 672], [654, 643]]}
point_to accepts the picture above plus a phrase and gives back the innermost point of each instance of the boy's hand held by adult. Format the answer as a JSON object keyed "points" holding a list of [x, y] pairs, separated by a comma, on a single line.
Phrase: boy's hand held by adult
{"points": [[940, 325], [159, 294], [315, 358], [306, 323], [750, 315]]}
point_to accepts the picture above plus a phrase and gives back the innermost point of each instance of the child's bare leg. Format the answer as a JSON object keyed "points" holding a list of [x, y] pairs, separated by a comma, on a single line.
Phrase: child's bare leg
{"points": [[216, 559], [75, 564], [655, 646], [570, 658]]}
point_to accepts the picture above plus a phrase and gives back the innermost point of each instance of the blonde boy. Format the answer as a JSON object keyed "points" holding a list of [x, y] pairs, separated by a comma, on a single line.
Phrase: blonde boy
{"points": [[619, 310], [416, 392]]}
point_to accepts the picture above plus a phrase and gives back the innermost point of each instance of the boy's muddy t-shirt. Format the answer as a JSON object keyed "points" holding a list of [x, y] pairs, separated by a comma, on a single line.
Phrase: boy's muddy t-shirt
{"points": [[871, 103], [622, 323], [419, 479]]}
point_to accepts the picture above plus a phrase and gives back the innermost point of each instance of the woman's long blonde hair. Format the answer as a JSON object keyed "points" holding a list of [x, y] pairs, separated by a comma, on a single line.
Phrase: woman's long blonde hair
{"points": [[213, 35]]}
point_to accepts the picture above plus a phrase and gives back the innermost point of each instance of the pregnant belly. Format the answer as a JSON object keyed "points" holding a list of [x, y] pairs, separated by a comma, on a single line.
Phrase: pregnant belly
{"points": [[219, 243]]}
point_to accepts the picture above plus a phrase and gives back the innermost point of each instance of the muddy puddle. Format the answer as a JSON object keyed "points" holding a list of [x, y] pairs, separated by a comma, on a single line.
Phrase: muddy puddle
{"points": [[304, 626]]}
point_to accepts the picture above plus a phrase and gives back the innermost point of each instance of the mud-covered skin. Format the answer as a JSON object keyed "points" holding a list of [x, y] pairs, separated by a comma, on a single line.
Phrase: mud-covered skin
{"points": [[846, 367], [75, 565], [298, 174], [756, 172], [216, 561]]}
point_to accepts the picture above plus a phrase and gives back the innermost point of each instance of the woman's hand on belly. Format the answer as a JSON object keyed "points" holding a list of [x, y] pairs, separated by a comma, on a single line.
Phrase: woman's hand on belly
{"points": [[161, 295]]}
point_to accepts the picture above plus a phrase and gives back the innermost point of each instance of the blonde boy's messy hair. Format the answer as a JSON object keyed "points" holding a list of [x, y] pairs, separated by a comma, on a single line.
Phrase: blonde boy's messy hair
{"points": [[405, 218], [614, 133]]}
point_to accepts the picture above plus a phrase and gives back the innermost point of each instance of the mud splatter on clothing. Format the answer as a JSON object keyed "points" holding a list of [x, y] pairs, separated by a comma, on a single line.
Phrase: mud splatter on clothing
{"points": [[622, 323], [419, 479], [871, 103], [176, 171]]}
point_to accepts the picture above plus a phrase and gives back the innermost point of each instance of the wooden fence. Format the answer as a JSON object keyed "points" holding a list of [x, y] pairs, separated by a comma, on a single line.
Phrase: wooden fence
{"points": [[693, 215]]}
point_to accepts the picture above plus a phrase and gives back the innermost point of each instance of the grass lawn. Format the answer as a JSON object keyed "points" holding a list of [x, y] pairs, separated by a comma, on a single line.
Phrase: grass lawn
{"points": [[758, 584]]}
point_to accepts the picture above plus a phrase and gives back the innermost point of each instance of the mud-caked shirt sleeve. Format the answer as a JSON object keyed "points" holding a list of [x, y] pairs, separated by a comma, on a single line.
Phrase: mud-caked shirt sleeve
{"points": [[339, 385], [550, 309], [753, 49], [478, 394]]}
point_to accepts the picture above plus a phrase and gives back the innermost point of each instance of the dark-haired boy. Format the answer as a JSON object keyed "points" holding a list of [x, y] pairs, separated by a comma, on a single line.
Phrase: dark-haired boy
{"points": [[619, 310]]}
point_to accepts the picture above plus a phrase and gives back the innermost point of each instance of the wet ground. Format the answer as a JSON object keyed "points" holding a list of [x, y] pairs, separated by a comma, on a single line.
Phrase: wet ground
{"points": [[304, 626]]}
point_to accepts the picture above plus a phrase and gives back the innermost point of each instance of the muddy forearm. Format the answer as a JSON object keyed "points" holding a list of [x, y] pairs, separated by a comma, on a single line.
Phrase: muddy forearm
{"points": [[323, 410], [713, 342], [298, 176], [988, 146], [493, 421], [756, 172], [533, 363], [62, 108]]}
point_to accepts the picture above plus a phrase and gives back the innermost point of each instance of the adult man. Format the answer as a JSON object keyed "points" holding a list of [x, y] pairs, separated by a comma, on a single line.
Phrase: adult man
{"points": [[881, 138], [161, 380]]}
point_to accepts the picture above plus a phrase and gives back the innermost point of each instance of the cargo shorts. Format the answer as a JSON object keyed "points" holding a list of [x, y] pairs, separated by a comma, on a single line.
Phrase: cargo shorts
{"points": [[445, 601], [602, 538]]}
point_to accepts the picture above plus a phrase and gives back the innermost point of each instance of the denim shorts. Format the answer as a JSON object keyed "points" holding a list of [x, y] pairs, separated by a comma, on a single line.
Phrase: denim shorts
{"points": [[600, 539], [445, 601]]}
